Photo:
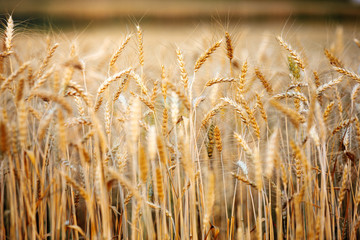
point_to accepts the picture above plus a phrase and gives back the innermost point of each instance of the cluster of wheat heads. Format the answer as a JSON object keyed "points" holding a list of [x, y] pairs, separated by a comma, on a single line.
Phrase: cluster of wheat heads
{"points": [[95, 146]]}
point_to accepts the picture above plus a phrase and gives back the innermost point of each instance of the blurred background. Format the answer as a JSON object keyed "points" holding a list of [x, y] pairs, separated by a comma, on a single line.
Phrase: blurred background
{"points": [[85, 10], [188, 23]]}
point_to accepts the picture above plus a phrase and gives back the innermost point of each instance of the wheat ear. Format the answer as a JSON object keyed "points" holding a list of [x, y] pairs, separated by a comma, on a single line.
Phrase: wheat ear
{"points": [[330, 84], [9, 33], [116, 55], [202, 59], [211, 114], [294, 55], [244, 145], [46, 61], [183, 72], [265, 83], [272, 153], [295, 118], [229, 46], [241, 85], [343, 184], [348, 73], [140, 45], [332, 59], [219, 80], [159, 185], [46, 96], [11, 78]]}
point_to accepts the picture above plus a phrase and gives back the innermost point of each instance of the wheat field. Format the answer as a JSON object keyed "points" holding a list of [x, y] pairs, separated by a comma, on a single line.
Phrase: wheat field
{"points": [[122, 139]]}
